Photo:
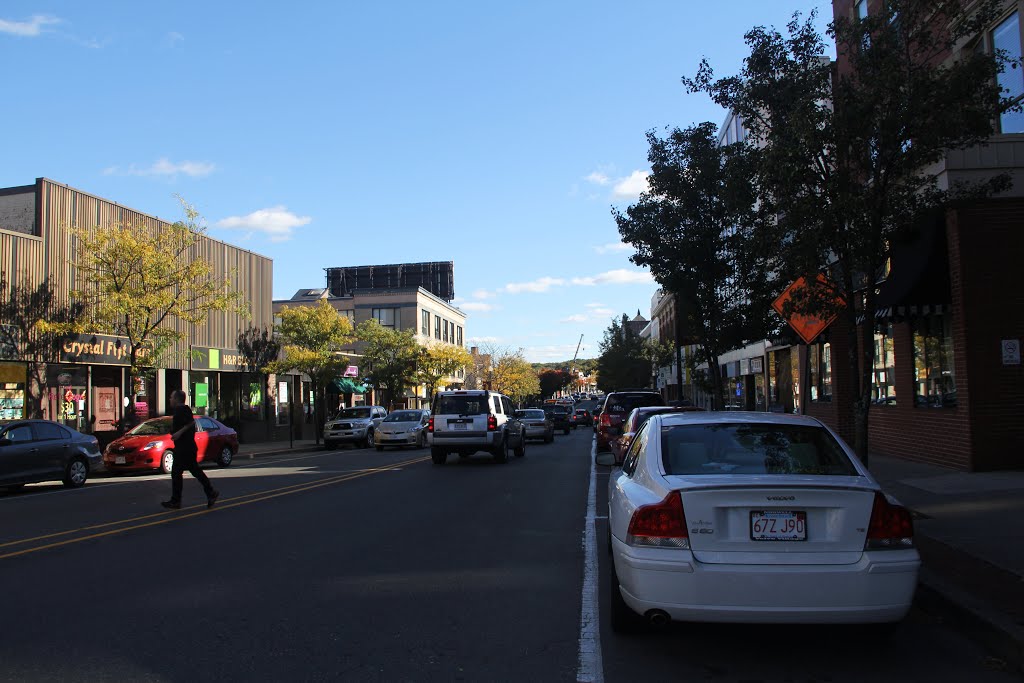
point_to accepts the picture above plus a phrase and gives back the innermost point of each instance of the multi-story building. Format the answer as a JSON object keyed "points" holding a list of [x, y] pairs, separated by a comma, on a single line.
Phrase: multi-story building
{"points": [[401, 297], [89, 387]]}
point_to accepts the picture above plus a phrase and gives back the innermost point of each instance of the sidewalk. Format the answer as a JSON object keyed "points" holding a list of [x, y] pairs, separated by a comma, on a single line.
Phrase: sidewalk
{"points": [[967, 527], [247, 451]]}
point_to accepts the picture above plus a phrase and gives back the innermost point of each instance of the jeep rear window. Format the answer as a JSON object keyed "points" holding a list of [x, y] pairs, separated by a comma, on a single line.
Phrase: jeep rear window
{"points": [[461, 405]]}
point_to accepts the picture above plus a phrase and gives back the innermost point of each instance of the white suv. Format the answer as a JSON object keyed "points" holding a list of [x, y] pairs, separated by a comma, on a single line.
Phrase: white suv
{"points": [[353, 425], [465, 422]]}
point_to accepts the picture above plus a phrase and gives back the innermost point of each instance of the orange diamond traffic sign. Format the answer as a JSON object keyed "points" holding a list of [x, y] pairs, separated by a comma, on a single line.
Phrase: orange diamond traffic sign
{"points": [[807, 326]]}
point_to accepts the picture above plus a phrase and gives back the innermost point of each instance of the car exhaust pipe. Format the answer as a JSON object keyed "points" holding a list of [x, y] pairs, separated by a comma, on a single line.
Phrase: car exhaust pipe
{"points": [[658, 618]]}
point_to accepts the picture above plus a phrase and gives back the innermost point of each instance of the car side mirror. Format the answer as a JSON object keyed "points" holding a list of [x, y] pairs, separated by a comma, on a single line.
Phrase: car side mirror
{"points": [[605, 459]]}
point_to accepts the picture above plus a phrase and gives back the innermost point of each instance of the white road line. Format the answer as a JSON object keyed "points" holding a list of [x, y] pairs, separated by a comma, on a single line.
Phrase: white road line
{"points": [[590, 668]]}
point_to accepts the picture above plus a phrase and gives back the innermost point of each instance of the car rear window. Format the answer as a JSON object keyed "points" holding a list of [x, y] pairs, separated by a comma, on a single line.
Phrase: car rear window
{"points": [[531, 414], [461, 405], [624, 403], [558, 410], [744, 448]]}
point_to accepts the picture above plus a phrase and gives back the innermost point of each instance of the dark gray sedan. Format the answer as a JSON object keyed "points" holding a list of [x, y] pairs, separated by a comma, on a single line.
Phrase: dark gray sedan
{"points": [[40, 450]]}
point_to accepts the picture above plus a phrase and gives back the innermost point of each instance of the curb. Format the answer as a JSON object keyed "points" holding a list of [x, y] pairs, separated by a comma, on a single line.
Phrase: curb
{"points": [[972, 617]]}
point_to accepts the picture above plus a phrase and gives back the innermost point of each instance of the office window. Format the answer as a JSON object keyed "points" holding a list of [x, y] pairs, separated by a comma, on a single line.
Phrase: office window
{"points": [[884, 374], [444, 329], [387, 317], [351, 315], [819, 362], [437, 327], [425, 328], [934, 373], [1006, 37], [459, 342], [861, 9]]}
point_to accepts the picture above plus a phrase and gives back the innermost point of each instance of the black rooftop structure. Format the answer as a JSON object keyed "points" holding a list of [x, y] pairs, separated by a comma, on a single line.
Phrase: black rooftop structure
{"points": [[437, 277]]}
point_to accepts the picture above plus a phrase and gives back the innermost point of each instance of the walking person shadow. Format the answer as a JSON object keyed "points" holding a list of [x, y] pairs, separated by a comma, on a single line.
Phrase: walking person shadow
{"points": [[183, 433]]}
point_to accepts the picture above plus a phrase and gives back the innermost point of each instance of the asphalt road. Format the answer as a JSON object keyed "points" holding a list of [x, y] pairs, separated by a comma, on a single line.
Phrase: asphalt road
{"points": [[365, 566]]}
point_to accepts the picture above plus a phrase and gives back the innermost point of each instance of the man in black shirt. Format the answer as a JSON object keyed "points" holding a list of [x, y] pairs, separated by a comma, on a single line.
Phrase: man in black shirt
{"points": [[183, 433]]}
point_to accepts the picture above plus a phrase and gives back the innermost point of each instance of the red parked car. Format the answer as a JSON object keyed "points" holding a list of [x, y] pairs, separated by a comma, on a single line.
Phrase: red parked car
{"points": [[617, 405], [634, 421], [149, 445]]}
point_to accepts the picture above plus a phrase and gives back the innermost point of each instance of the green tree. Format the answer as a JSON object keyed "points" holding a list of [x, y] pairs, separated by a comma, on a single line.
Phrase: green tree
{"points": [[33, 325], [694, 230], [511, 374], [150, 284], [391, 358], [626, 358], [440, 361], [850, 157], [258, 349], [313, 337]]}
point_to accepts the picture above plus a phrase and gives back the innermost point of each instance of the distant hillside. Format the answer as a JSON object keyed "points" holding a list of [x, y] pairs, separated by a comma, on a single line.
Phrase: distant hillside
{"points": [[585, 365]]}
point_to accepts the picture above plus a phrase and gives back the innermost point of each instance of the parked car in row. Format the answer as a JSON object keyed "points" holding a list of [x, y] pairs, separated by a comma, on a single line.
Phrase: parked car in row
{"points": [[559, 415], [402, 428], [354, 425], [580, 418], [149, 446], [617, 405], [465, 422], [753, 518], [537, 424], [40, 450]]}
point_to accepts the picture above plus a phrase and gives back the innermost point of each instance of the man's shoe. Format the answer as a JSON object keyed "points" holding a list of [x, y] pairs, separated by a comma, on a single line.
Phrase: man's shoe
{"points": [[211, 499], [172, 504]]}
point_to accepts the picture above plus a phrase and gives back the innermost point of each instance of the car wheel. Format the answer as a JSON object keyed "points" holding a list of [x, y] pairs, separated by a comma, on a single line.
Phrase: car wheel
{"points": [[439, 456], [76, 473], [369, 438], [521, 451], [624, 620], [330, 445], [548, 438], [379, 448], [167, 462], [565, 431], [226, 456], [501, 452]]}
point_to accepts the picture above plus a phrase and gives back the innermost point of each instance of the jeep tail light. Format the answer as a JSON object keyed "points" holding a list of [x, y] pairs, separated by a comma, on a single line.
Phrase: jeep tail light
{"points": [[430, 424], [606, 421], [661, 525], [492, 423], [891, 526]]}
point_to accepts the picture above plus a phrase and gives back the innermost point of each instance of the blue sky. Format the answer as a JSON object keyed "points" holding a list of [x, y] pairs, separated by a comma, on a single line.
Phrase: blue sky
{"points": [[497, 136]]}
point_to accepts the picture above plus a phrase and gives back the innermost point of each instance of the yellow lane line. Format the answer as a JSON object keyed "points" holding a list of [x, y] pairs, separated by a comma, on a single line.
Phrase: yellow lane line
{"points": [[174, 515]]}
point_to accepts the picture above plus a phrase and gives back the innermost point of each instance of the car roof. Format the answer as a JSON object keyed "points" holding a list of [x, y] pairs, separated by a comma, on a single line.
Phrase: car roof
{"points": [[732, 417]]}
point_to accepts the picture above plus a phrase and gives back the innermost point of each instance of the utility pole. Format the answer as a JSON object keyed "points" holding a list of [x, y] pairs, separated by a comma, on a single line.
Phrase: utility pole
{"points": [[572, 365]]}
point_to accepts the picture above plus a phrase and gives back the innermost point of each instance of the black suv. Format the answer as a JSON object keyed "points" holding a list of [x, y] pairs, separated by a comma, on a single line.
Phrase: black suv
{"points": [[559, 415]]}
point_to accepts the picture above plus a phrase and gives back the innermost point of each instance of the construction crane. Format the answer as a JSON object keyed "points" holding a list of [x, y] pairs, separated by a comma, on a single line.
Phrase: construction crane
{"points": [[572, 365]]}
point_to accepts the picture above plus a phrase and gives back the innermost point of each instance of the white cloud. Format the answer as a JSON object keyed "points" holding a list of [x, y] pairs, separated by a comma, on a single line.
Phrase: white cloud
{"points": [[613, 247], [482, 340], [276, 222], [554, 352], [578, 318], [620, 276], [476, 306], [598, 178], [482, 294], [173, 38], [32, 27], [542, 284], [165, 167], [600, 310], [631, 186]]}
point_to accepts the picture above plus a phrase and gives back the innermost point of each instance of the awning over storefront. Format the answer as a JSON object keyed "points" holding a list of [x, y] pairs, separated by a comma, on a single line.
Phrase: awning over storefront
{"points": [[346, 386], [920, 270]]}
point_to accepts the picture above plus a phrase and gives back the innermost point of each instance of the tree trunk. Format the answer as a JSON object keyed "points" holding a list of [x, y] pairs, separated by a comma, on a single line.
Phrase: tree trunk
{"points": [[861, 340], [317, 407], [715, 374]]}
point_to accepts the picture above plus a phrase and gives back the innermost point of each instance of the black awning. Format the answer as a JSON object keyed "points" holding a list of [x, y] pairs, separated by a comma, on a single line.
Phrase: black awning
{"points": [[919, 275]]}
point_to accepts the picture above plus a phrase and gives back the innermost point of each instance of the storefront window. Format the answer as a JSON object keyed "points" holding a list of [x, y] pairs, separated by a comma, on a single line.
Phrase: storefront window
{"points": [[884, 373], [819, 367], [794, 365], [251, 399], [13, 377], [934, 373]]}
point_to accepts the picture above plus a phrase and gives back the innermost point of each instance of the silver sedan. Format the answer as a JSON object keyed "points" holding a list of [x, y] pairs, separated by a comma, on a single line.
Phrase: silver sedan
{"points": [[537, 424]]}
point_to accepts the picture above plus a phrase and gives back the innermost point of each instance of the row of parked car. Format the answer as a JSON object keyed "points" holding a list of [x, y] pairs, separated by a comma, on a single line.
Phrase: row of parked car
{"points": [[40, 450]]}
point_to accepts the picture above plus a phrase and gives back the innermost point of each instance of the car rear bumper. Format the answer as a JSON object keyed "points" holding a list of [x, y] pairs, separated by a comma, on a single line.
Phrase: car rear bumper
{"points": [[878, 588], [465, 440]]}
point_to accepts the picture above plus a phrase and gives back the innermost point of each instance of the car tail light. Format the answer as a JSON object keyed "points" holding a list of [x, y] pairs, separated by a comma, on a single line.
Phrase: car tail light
{"points": [[606, 421], [430, 425], [662, 525], [891, 526], [492, 423]]}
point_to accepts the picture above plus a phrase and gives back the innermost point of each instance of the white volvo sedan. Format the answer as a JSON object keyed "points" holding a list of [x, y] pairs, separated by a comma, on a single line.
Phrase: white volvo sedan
{"points": [[753, 518]]}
